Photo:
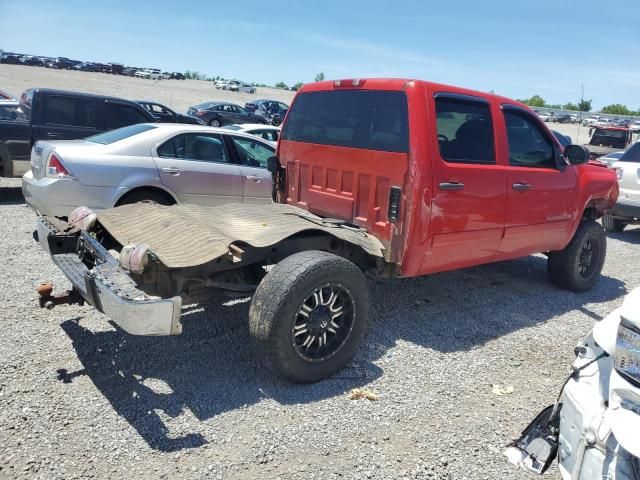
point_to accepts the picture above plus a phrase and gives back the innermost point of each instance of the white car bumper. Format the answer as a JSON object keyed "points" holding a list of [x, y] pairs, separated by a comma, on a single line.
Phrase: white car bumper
{"points": [[59, 196]]}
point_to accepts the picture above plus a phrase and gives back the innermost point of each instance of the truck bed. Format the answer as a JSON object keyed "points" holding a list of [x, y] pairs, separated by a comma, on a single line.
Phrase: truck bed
{"points": [[188, 235]]}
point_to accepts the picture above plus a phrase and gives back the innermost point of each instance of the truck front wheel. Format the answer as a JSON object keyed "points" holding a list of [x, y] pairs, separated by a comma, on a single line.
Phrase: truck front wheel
{"points": [[308, 315], [578, 266]]}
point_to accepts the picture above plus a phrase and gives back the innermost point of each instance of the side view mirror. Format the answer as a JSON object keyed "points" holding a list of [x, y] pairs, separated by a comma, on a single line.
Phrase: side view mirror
{"points": [[576, 154], [273, 164]]}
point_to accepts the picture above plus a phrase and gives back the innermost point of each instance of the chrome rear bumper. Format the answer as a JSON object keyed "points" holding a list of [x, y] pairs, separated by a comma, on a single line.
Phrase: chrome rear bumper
{"points": [[108, 287]]}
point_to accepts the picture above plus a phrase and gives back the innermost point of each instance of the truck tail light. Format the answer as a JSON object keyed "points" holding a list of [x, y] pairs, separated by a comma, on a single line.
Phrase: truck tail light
{"points": [[394, 203], [348, 83], [55, 168]]}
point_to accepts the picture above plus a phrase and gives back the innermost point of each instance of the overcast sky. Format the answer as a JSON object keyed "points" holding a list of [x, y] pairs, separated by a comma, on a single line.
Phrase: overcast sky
{"points": [[516, 48]]}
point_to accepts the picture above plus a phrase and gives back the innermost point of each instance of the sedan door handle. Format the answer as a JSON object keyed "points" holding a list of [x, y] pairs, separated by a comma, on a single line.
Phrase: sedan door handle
{"points": [[451, 186], [172, 170], [255, 178], [521, 186]]}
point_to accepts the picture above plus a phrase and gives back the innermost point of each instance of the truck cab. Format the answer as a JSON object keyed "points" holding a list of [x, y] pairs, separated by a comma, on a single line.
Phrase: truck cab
{"points": [[444, 177]]}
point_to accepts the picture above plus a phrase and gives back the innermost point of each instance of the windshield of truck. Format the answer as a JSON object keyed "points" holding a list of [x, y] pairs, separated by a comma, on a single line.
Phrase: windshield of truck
{"points": [[611, 138], [366, 119], [113, 136]]}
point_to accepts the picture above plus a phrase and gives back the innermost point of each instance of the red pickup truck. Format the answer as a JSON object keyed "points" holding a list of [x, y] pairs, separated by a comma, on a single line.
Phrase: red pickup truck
{"points": [[384, 177]]}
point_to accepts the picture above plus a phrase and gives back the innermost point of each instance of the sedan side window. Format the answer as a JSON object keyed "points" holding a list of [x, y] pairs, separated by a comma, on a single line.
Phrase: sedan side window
{"points": [[194, 146], [251, 152], [528, 145]]}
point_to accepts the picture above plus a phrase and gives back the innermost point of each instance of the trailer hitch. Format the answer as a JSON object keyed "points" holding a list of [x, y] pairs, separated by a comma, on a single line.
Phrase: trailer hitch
{"points": [[49, 300]]}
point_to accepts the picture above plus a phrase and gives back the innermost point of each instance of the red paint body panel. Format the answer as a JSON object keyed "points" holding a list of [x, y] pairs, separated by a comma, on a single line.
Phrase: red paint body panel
{"points": [[439, 229]]}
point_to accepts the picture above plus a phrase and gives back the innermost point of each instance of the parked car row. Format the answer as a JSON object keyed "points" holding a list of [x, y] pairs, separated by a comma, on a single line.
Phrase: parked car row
{"points": [[558, 117], [234, 86], [47, 114], [64, 63]]}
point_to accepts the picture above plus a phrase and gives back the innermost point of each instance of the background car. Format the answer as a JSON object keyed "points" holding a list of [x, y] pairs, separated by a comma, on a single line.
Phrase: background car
{"points": [[217, 114], [269, 133], [544, 116], [177, 76], [274, 110], [166, 115], [590, 121], [611, 158], [562, 118], [245, 87], [10, 59], [627, 208], [162, 163], [635, 126]]}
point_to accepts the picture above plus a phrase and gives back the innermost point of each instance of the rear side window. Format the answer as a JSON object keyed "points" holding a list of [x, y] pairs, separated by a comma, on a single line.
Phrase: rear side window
{"points": [[119, 134], [366, 119], [70, 111], [632, 155], [465, 131], [121, 115], [194, 146]]}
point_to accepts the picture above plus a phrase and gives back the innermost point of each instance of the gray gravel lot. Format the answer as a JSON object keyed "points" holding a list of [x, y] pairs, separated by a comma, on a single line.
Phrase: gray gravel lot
{"points": [[80, 399]]}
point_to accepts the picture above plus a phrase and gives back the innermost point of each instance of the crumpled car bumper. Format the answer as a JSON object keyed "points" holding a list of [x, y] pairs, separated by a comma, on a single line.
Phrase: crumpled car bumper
{"points": [[108, 287]]}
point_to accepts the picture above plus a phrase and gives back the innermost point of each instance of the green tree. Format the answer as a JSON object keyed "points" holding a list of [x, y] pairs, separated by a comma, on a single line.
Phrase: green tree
{"points": [[297, 86], [319, 77], [281, 85], [616, 109], [535, 101], [570, 106], [584, 105]]}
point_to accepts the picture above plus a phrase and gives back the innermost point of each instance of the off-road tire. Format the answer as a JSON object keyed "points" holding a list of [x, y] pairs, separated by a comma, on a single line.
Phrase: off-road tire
{"points": [[276, 304], [146, 196], [612, 224], [563, 266]]}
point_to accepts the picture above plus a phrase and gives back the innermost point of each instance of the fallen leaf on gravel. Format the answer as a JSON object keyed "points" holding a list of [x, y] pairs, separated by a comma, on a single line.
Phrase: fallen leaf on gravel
{"points": [[360, 393], [502, 390]]}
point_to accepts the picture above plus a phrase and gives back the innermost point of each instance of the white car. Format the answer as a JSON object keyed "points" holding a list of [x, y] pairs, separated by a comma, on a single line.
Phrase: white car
{"points": [[247, 88], [635, 126], [163, 163], [269, 133], [545, 117], [590, 121], [149, 73], [594, 427], [574, 118], [603, 122]]}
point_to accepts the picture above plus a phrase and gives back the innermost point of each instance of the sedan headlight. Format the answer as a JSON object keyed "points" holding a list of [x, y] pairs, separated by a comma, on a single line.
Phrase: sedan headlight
{"points": [[627, 357]]}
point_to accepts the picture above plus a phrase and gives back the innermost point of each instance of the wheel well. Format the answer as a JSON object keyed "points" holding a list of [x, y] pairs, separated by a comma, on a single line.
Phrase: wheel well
{"points": [[139, 190]]}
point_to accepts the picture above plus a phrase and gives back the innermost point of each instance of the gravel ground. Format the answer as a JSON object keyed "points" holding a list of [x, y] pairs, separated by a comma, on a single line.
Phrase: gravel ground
{"points": [[83, 400]]}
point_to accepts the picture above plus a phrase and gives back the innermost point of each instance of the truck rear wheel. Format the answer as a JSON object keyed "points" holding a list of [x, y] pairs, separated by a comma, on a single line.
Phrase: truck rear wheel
{"points": [[612, 224], [308, 315], [578, 266]]}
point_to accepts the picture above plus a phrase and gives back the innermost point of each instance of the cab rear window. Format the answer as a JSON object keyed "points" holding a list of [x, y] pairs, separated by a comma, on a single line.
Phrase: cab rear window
{"points": [[364, 119]]}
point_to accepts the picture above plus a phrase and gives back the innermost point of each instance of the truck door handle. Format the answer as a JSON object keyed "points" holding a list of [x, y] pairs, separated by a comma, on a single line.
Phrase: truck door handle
{"points": [[172, 170], [53, 134], [451, 186], [521, 186], [255, 178]]}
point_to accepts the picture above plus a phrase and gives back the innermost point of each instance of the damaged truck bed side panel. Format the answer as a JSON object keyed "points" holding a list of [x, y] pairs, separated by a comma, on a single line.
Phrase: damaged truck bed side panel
{"points": [[184, 236]]}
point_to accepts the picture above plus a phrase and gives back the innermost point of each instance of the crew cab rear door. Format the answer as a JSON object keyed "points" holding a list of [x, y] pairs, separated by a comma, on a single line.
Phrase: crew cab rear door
{"points": [[468, 203], [542, 201]]}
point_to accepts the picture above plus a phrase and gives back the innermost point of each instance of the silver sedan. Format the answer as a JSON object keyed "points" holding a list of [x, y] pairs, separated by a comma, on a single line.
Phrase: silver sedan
{"points": [[162, 163]]}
